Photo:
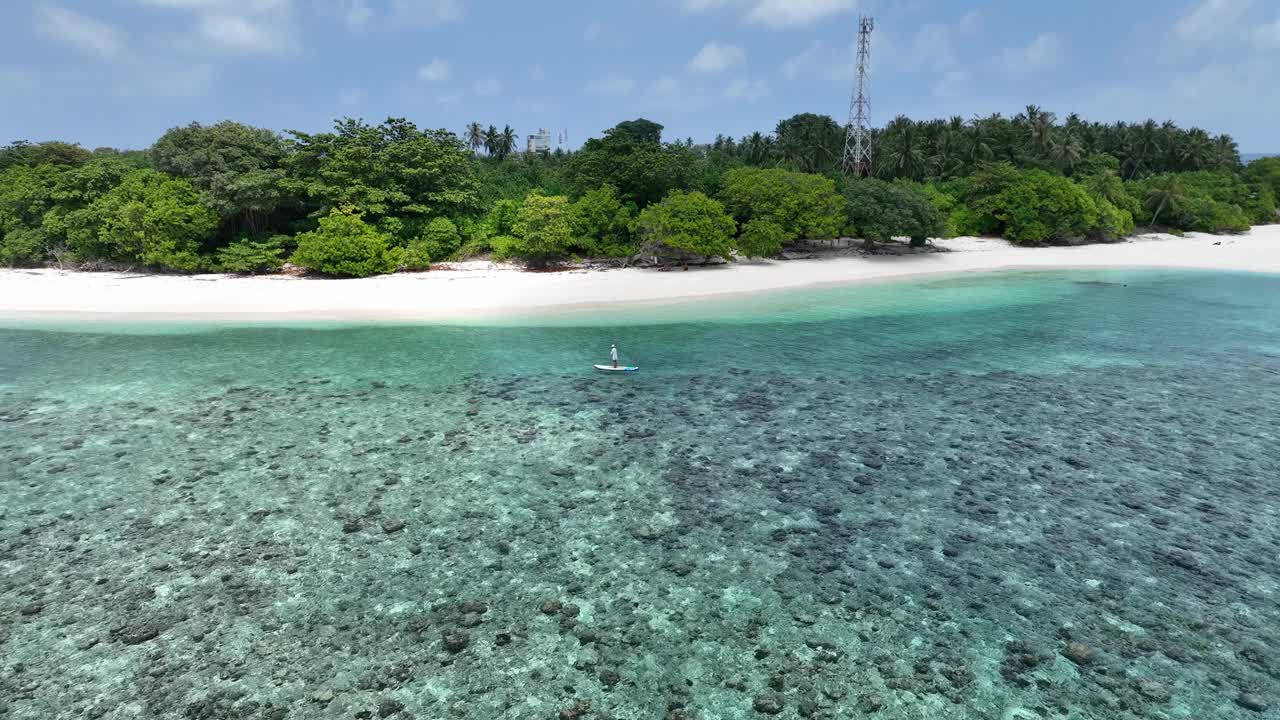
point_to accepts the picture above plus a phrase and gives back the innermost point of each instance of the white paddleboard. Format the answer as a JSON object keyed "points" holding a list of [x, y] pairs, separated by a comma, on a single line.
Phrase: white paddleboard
{"points": [[620, 368]]}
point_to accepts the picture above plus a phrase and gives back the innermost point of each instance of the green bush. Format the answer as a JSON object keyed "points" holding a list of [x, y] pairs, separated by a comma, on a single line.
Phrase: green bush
{"points": [[1208, 202], [1256, 202], [946, 204], [1204, 214], [803, 206], [687, 225], [149, 218], [249, 257], [504, 247], [761, 238], [23, 247], [439, 240], [346, 246], [543, 230], [1113, 223], [1041, 207], [880, 211], [602, 223], [1265, 173]]}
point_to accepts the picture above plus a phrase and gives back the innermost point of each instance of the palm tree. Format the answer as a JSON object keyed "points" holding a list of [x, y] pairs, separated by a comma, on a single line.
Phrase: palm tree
{"points": [[1144, 147], [756, 148], [1166, 193], [475, 136], [492, 140], [1227, 153], [947, 157], [1196, 150], [1065, 149], [507, 142], [977, 145], [900, 152], [1040, 126]]}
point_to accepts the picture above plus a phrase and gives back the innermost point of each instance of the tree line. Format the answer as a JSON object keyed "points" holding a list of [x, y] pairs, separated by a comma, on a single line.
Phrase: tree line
{"points": [[364, 199]]}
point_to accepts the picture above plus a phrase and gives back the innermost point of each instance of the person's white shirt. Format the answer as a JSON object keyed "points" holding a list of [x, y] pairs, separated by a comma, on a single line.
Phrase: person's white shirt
{"points": [[613, 353]]}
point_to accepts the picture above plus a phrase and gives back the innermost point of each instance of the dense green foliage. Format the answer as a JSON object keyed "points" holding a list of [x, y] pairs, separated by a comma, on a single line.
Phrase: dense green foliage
{"points": [[803, 206], [636, 163], [239, 170], [880, 211], [761, 237], [391, 171], [367, 198], [602, 223], [543, 230], [1204, 201], [1265, 172], [687, 225], [150, 218], [249, 256], [344, 245]]}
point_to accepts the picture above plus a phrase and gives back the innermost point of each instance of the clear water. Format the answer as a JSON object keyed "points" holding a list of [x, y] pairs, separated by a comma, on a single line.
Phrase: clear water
{"points": [[1032, 495]]}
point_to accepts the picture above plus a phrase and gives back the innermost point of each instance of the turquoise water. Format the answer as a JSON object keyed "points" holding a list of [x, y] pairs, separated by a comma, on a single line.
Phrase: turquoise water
{"points": [[1029, 495]]}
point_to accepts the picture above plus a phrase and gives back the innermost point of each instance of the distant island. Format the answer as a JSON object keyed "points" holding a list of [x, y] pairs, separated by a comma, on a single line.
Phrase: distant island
{"points": [[365, 199]]}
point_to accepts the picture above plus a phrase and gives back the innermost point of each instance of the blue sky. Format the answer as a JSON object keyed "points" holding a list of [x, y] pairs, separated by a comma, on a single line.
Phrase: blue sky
{"points": [[119, 72]]}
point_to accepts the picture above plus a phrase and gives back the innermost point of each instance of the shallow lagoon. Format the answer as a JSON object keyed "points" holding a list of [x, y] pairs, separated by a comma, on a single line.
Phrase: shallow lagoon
{"points": [[1027, 495]]}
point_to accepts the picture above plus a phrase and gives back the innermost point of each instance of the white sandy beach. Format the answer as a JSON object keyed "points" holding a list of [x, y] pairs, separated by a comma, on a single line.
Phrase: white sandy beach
{"points": [[477, 289]]}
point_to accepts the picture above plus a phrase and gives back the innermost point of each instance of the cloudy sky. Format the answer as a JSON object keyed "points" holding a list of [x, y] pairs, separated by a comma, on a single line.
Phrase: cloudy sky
{"points": [[119, 72]]}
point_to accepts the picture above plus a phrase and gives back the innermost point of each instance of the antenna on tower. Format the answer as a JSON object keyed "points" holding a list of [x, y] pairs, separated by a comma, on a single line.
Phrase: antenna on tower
{"points": [[857, 142]]}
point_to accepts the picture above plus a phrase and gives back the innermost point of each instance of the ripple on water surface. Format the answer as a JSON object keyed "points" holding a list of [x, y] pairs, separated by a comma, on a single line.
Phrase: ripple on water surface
{"points": [[1048, 495]]}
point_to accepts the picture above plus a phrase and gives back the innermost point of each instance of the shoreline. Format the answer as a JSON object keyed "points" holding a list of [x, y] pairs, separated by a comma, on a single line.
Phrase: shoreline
{"points": [[481, 291]]}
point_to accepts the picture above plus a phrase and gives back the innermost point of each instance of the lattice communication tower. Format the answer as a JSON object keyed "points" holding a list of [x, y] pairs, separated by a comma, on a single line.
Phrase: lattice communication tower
{"points": [[857, 142]]}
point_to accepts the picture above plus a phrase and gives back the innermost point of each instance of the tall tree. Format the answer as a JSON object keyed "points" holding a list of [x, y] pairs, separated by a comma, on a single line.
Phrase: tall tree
{"points": [[238, 169], [392, 170], [900, 153], [475, 136], [810, 143], [507, 142], [1166, 194]]}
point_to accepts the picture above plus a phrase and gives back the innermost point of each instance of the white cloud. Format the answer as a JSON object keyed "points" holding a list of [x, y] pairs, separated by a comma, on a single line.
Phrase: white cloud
{"points": [[1267, 37], [970, 24], [357, 14], [668, 94], [778, 14], [1211, 19], [715, 58], [1045, 51], [424, 13], [242, 34], [744, 89], [796, 13], [696, 6], [951, 84], [488, 86], [246, 27], [81, 32], [800, 64], [435, 71], [232, 6], [378, 14], [150, 79], [666, 85], [612, 85]]}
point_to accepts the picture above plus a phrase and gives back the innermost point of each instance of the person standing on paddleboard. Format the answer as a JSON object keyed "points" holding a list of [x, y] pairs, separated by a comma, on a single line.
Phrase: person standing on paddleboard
{"points": [[613, 354]]}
